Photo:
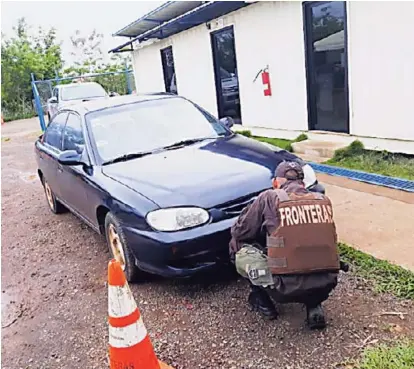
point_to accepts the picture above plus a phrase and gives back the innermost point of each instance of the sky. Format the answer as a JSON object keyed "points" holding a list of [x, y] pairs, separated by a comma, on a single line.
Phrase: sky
{"points": [[106, 17]]}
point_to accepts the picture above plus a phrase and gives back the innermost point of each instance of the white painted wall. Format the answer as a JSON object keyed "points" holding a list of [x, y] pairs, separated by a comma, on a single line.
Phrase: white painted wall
{"points": [[193, 60], [193, 63], [266, 34], [148, 69], [271, 33], [381, 72], [381, 69]]}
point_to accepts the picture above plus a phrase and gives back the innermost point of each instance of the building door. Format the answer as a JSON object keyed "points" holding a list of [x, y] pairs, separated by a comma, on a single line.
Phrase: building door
{"points": [[225, 73], [168, 69], [327, 65]]}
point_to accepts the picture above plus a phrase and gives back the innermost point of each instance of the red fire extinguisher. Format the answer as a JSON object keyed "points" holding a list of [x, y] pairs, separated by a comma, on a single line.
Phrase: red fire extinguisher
{"points": [[265, 80]]}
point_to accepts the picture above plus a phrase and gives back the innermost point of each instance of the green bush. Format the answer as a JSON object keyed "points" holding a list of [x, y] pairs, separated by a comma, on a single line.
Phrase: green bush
{"points": [[245, 133], [10, 116], [289, 147], [355, 148], [301, 137]]}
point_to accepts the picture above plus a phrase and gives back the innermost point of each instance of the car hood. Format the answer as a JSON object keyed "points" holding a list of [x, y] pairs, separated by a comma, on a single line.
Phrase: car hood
{"points": [[207, 174]]}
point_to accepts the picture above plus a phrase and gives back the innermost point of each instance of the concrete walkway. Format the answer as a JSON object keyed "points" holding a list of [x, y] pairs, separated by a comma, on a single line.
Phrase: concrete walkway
{"points": [[373, 219]]}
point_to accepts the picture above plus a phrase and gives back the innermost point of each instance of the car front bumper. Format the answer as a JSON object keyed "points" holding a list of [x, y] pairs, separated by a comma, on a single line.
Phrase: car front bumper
{"points": [[184, 253]]}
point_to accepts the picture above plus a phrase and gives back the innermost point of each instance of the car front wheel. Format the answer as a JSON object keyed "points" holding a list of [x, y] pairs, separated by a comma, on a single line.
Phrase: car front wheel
{"points": [[119, 249], [54, 205]]}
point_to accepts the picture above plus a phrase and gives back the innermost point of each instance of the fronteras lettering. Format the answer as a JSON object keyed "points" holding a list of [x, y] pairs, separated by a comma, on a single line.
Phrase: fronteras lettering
{"points": [[282, 217], [288, 217], [305, 214], [302, 215], [295, 215]]}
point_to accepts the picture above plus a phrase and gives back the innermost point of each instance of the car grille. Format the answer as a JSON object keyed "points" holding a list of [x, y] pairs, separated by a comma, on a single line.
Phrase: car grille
{"points": [[235, 207]]}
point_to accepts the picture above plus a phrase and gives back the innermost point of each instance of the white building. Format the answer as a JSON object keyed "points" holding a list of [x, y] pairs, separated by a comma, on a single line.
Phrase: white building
{"points": [[338, 70]]}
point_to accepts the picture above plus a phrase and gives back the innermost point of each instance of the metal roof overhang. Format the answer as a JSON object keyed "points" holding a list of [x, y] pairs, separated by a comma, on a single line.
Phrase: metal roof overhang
{"points": [[164, 13], [194, 17]]}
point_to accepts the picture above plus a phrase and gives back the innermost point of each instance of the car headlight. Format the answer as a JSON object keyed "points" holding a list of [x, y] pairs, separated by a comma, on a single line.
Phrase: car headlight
{"points": [[175, 219], [309, 175]]}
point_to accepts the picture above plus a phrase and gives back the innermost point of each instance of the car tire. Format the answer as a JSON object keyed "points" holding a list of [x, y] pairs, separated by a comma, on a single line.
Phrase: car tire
{"points": [[120, 250], [54, 205]]}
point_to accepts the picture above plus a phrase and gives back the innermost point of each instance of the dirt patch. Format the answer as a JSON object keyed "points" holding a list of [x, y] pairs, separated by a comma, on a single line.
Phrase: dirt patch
{"points": [[55, 297]]}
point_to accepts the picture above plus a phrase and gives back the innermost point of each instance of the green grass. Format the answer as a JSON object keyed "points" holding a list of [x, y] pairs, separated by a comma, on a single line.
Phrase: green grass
{"points": [[279, 142], [400, 355], [301, 137], [384, 276], [355, 156], [11, 116]]}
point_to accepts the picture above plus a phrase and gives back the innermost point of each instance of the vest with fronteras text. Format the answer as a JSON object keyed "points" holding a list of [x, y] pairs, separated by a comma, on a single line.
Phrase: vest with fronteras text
{"points": [[305, 241]]}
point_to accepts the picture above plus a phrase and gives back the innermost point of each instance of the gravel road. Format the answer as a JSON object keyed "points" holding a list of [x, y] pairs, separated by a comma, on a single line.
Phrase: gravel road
{"points": [[54, 297]]}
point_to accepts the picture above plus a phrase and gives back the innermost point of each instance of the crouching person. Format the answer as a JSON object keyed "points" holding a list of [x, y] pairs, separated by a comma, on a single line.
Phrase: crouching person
{"points": [[285, 244]]}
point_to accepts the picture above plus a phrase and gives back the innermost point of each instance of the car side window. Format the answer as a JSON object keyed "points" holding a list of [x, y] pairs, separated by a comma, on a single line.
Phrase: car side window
{"points": [[56, 93], [54, 131], [72, 135]]}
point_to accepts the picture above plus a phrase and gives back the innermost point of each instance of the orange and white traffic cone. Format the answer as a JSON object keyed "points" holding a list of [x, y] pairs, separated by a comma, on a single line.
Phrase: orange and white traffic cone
{"points": [[129, 344]]}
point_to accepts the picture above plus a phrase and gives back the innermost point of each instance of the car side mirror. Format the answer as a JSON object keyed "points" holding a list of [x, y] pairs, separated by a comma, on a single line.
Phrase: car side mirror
{"points": [[70, 157], [227, 121], [53, 100], [112, 94]]}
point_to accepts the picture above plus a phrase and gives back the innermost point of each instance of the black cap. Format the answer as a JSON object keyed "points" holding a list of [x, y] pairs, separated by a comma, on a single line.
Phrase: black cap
{"points": [[286, 167]]}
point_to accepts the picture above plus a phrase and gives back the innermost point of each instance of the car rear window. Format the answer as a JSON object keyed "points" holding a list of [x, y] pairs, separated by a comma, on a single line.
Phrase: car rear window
{"points": [[82, 91]]}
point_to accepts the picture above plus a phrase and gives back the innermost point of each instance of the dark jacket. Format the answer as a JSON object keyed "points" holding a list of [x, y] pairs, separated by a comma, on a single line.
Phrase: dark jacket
{"points": [[261, 219]]}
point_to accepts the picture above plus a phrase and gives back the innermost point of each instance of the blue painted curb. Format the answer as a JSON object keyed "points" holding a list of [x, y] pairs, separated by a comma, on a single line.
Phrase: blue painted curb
{"points": [[376, 179]]}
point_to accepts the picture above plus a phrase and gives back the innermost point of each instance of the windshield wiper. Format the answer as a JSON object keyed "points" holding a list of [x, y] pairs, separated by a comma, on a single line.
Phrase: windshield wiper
{"points": [[183, 143], [189, 142], [136, 155], [127, 157]]}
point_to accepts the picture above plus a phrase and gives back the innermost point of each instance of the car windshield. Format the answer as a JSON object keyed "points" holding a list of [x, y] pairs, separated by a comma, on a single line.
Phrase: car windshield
{"points": [[149, 125], [82, 91]]}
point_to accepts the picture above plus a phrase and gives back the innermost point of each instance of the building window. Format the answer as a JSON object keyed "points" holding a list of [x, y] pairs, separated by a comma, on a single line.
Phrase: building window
{"points": [[327, 65], [170, 80], [225, 71]]}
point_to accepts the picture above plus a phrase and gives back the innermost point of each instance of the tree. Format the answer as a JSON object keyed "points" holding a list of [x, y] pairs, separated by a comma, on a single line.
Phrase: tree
{"points": [[21, 55], [326, 24], [115, 82], [89, 59], [87, 51]]}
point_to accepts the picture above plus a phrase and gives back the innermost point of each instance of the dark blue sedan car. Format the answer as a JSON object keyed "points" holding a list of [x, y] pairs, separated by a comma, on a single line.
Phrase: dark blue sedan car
{"points": [[159, 176]]}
